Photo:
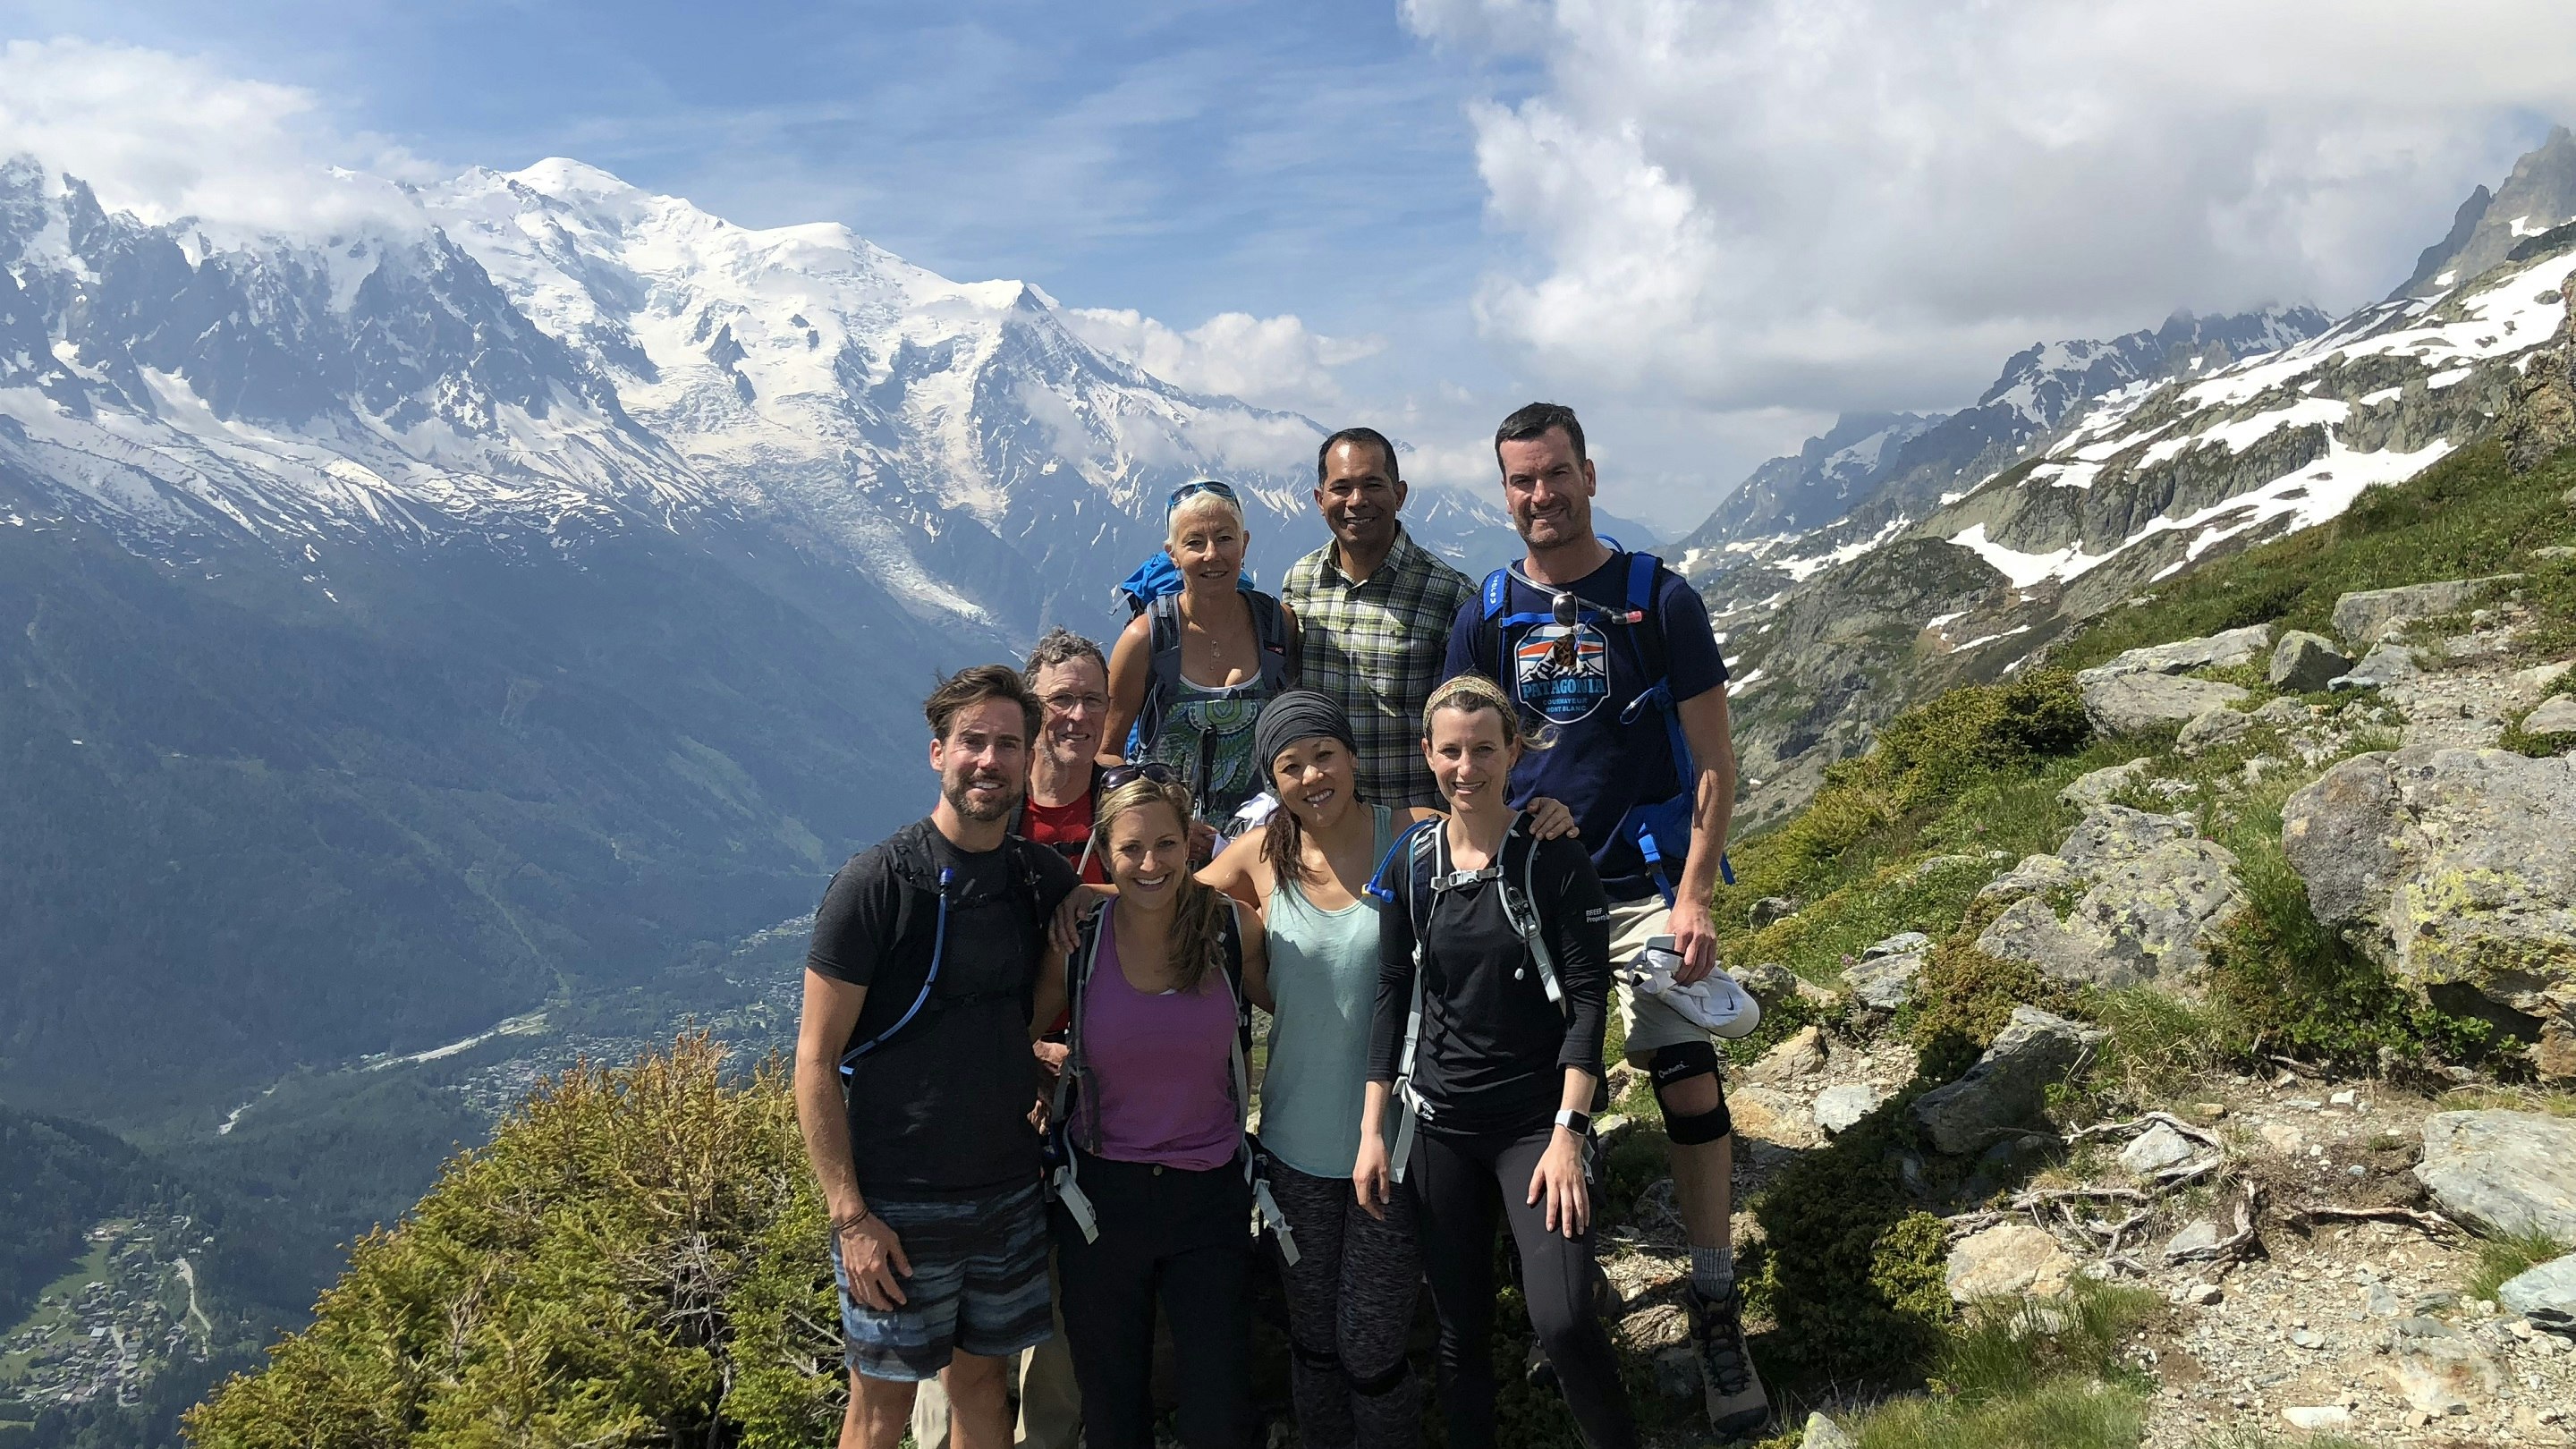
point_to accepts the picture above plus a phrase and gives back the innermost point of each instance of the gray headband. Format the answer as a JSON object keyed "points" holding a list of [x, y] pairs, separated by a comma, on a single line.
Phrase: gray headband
{"points": [[1300, 714]]}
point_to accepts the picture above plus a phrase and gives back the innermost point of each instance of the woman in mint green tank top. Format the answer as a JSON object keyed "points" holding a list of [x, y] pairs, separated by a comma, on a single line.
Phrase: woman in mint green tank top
{"points": [[1306, 870], [1351, 1290]]}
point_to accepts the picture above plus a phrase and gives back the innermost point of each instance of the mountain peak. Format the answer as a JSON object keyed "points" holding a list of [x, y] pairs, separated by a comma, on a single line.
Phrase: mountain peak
{"points": [[2539, 195], [565, 178]]}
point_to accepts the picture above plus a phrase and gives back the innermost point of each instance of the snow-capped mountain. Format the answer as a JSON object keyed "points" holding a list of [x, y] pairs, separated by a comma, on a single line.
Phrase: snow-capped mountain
{"points": [[348, 387], [2136, 486], [957, 437], [525, 581], [1874, 473], [510, 355]]}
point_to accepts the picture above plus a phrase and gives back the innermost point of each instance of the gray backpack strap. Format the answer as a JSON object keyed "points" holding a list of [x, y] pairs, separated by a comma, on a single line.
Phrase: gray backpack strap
{"points": [[1429, 846], [1064, 1183], [1270, 633], [1520, 906], [1163, 669]]}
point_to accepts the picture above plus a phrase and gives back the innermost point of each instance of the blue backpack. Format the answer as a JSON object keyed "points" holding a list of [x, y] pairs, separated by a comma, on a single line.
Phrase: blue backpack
{"points": [[1153, 579], [1660, 829]]}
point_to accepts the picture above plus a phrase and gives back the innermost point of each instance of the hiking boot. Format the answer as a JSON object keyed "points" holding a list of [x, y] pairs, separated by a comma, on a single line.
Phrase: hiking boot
{"points": [[1737, 1407]]}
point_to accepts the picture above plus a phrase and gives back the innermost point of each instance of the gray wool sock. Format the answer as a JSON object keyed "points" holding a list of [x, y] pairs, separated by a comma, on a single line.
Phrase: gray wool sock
{"points": [[1712, 1270]]}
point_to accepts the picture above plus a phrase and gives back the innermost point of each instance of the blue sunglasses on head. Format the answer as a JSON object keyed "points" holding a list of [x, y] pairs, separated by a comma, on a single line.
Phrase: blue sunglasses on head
{"points": [[1197, 486]]}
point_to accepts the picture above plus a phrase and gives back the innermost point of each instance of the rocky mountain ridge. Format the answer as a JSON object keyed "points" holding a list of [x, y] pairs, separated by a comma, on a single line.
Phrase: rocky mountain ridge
{"points": [[1853, 487], [2136, 487]]}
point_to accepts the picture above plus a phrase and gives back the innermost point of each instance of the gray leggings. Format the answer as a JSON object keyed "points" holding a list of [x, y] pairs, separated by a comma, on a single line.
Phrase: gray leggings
{"points": [[1350, 1307]]}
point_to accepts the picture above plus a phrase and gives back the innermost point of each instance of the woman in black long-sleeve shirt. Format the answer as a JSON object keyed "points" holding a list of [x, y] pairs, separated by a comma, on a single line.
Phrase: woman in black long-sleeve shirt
{"points": [[1501, 1074]]}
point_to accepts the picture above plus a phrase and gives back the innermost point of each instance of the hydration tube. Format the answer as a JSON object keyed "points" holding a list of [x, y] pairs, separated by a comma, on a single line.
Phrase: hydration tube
{"points": [[938, 949]]}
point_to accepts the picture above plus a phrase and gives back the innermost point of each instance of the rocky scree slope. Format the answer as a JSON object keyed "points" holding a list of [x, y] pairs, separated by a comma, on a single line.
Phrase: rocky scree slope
{"points": [[2148, 482]]}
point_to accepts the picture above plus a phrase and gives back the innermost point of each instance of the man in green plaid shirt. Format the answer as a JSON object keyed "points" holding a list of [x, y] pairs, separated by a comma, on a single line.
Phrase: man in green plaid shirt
{"points": [[1373, 610]]}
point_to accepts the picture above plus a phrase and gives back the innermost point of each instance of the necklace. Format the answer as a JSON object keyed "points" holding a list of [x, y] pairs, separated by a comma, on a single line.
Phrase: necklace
{"points": [[1215, 646]]}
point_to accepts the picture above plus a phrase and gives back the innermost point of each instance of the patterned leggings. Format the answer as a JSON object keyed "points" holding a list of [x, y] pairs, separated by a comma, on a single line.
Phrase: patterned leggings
{"points": [[1350, 1307]]}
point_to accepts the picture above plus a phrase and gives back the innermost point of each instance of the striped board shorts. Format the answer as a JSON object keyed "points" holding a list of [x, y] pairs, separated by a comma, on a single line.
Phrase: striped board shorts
{"points": [[978, 1285]]}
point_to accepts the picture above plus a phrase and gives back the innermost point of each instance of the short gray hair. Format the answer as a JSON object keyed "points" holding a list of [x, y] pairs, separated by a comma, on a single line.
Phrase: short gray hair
{"points": [[1061, 645]]}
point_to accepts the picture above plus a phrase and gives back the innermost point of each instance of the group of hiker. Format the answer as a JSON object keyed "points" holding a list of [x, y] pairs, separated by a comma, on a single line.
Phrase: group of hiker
{"points": [[1438, 831]]}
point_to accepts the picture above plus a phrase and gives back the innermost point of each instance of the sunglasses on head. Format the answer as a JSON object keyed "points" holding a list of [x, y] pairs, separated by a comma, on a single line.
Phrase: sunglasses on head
{"points": [[1196, 487], [1117, 776]]}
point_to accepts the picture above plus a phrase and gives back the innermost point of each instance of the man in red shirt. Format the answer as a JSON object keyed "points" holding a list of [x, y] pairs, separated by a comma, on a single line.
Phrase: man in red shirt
{"points": [[1070, 677]]}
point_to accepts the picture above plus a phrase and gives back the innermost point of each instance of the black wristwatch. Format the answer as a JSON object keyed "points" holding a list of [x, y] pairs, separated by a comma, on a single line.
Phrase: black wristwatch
{"points": [[1579, 1123]]}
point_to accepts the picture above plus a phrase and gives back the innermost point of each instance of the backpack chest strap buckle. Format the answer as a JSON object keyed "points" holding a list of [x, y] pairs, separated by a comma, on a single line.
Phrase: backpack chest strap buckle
{"points": [[1457, 878]]}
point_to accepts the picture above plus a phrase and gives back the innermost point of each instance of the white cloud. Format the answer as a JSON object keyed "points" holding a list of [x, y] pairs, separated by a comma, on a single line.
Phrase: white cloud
{"points": [[1855, 203], [1269, 361], [167, 136]]}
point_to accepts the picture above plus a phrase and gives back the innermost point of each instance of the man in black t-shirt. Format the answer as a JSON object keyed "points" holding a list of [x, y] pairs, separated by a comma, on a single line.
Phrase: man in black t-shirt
{"points": [[914, 1080]]}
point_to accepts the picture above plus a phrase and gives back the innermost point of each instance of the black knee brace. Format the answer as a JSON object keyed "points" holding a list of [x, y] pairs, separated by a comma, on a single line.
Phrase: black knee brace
{"points": [[1322, 1360], [1671, 1064], [1372, 1385]]}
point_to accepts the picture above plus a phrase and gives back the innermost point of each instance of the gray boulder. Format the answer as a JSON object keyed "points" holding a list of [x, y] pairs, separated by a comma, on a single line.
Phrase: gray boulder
{"points": [[2546, 1294], [2556, 717], [1769, 984], [2281, 713], [2385, 664], [2008, 1085], [2212, 728], [2128, 704], [2146, 892], [2438, 1370], [1824, 1433], [2451, 867], [2361, 618], [2156, 1149], [2008, 1261], [1769, 909], [1839, 1107], [1903, 943], [1884, 983], [2508, 1173], [2223, 651], [2086, 791], [2197, 1239], [2303, 663], [2532, 685]]}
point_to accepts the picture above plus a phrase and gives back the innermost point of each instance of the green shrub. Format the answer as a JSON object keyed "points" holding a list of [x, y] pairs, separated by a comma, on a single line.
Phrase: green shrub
{"points": [[1850, 1273], [1965, 997], [2159, 1042], [636, 1257], [1923, 756], [2297, 987]]}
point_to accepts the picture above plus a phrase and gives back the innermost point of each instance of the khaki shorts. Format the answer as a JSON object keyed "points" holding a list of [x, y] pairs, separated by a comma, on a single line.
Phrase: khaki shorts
{"points": [[1649, 1022]]}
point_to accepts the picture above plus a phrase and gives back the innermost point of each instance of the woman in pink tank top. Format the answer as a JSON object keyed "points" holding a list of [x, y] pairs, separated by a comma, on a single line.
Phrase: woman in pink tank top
{"points": [[1156, 1206]]}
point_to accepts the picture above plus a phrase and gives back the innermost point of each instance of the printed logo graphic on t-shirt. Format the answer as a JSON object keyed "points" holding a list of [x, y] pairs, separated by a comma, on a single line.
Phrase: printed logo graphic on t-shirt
{"points": [[1561, 671]]}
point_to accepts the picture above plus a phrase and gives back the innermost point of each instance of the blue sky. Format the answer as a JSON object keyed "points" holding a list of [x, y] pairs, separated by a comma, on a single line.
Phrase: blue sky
{"points": [[1709, 224]]}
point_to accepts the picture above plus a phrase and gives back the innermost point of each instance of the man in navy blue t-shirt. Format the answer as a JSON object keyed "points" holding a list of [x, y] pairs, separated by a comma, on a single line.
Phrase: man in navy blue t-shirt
{"points": [[1567, 645]]}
